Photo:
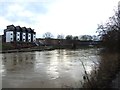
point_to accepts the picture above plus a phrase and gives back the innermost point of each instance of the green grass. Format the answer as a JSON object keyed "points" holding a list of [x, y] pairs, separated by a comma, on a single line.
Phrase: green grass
{"points": [[6, 46]]}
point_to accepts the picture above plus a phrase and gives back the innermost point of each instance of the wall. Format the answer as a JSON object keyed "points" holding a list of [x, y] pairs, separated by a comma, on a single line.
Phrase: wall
{"points": [[24, 37], [9, 36], [29, 37], [18, 36]]}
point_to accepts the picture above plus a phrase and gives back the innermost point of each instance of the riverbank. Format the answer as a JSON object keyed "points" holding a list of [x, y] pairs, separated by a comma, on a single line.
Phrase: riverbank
{"points": [[105, 74], [41, 48], [28, 49]]}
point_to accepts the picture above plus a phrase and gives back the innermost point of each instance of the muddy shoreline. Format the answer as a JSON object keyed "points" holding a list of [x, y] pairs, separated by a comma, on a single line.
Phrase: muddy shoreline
{"points": [[27, 50], [42, 48]]}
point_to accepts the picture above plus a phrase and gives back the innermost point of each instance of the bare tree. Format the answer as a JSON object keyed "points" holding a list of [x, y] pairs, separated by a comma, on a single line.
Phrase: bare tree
{"points": [[69, 37], [110, 31], [47, 35], [75, 38], [95, 38], [60, 37], [86, 38]]}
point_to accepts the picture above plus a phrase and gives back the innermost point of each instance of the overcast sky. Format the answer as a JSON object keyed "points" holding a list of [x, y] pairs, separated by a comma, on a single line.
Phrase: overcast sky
{"points": [[68, 17]]}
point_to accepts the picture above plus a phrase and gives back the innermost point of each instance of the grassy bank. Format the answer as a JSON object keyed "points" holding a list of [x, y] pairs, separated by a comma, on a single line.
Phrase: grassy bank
{"points": [[7, 46], [24, 47], [41, 48], [102, 76]]}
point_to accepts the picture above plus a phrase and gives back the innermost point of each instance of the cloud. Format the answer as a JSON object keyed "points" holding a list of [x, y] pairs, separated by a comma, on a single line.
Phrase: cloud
{"points": [[73, 17], [14, 11], [18, 13], [21, 12], [3, 24]]}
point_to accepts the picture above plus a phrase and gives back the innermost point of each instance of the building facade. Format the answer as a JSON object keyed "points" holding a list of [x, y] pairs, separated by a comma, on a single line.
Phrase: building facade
{"points": [[19, 34]]}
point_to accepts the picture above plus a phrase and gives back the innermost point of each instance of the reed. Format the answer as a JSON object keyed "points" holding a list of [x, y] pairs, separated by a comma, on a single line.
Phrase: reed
{"points": [[105, 72]]}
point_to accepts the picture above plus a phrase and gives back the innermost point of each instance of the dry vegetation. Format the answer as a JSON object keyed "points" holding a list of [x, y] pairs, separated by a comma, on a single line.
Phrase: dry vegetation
{"points": [[102, 76]]}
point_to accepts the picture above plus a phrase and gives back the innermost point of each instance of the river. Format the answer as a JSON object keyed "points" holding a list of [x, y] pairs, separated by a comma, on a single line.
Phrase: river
{"points": [[47, 69]]}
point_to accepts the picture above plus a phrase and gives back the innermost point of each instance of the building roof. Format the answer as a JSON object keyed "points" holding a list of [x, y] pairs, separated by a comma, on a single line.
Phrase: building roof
{"points": [[11, 27], [18, 28], [30, 30], [24, 29]]}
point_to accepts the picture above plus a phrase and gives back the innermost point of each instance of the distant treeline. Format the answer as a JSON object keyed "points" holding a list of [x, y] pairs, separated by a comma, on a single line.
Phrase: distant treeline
{"points": [[49, 35]]}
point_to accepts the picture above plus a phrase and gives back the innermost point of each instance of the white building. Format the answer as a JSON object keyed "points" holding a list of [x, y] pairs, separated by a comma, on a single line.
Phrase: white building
{"points": [[9, 33], [29, 37], [18, 30], [18, 34], [9, 36]]}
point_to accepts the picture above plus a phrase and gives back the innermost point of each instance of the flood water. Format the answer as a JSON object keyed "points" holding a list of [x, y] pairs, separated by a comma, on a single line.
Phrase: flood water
{"points": [[47, 69]]}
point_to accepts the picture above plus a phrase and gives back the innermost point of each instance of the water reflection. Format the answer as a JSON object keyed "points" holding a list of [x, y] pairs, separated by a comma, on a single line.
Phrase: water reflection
{"points": [[57, 68], [14, 61]]}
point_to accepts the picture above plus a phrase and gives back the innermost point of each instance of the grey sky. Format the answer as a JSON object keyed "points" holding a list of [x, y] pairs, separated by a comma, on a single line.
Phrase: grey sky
{"points": [[75, 17]]}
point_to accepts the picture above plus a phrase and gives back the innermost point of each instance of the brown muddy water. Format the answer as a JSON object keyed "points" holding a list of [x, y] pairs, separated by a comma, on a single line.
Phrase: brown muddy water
{"points": [[47, 69]]}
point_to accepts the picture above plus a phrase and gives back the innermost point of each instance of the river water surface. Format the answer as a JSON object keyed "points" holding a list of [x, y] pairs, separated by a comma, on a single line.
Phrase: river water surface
{"points": [[47, 69]]}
